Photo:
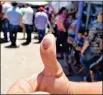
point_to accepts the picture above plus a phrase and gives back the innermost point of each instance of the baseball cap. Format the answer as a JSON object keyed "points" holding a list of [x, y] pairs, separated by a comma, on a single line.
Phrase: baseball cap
{"points": [[41, 9]]}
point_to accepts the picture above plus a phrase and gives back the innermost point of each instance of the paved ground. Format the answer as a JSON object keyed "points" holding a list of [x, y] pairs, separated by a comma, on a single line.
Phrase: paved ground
{"points": [[21, 62]]}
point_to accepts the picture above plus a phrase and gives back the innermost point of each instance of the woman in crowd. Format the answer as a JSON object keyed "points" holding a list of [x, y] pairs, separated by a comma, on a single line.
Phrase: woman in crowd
{"points": [[61, 31]]}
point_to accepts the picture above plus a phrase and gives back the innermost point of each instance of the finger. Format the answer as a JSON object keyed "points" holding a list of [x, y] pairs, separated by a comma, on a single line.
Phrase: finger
{"points": [[48, 55]]}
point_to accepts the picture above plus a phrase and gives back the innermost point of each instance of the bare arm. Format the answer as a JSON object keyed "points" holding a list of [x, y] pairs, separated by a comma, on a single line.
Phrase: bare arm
{"points": [[86, 88], [86, 44], [89, 39], [21, 24]]}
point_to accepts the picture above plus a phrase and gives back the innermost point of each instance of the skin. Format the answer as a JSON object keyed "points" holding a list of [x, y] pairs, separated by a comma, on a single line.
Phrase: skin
{"points": [[62, 22], [100, 17], [86, 44], [52, 79]]}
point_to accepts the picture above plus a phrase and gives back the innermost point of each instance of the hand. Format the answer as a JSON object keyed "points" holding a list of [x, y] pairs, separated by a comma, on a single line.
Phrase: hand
{"points": [[51, 31], [52, 79]]}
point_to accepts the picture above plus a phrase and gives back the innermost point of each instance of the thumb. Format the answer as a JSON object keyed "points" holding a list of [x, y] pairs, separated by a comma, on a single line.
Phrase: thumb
{"points": [[48, 55]]}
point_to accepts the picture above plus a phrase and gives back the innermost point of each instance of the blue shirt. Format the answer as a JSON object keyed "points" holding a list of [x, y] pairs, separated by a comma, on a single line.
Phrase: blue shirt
{"points": [[73, 23], [14, 16], [79, 42], [41, 20]]}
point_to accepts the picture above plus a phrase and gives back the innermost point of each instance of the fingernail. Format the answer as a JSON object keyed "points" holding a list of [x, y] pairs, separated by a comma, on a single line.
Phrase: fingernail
{"points": [[46, 43]]}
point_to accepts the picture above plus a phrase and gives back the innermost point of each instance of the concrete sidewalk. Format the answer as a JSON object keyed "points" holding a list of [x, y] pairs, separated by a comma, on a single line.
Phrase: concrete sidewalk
{"points": [[19, 63]]}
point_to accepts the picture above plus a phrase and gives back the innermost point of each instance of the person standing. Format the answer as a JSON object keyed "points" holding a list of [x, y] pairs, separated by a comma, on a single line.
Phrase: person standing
{"points": [[93, 46], [15, 18], [28, 22], [62, 25], [41, 22], [5, 23]]}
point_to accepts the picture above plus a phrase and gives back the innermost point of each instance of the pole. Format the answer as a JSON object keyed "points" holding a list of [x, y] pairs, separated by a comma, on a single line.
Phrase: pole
{"points": [[88, 14], [80, 11]]}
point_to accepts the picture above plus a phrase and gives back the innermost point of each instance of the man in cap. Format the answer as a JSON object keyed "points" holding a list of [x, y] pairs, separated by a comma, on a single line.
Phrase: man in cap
{"points": [[41, 22]]}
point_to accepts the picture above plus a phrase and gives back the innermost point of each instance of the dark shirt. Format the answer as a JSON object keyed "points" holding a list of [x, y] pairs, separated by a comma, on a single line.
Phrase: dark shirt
{"points": [[94, 37]]}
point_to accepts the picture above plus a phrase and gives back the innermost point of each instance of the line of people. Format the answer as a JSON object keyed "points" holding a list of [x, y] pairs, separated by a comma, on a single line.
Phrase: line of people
{"points": [[14, 17], [83, 48]]}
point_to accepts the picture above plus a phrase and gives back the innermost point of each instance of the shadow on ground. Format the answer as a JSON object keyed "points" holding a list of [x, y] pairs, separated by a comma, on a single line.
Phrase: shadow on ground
{"points": [[2, 41], [12, 47]]}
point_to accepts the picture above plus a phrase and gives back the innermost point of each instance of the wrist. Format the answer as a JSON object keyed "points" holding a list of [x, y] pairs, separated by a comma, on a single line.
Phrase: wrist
{"points": [[70, 90]]}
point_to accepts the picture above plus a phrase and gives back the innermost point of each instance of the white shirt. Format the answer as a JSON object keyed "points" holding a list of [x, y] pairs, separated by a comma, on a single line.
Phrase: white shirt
{"points": [[23, 12], [14, 16], [41, 20], [5, 7], [28, 16]]}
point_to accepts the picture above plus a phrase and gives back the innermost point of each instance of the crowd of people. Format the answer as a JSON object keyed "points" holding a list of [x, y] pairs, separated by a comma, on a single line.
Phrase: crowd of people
{"points": [[78, 49]]}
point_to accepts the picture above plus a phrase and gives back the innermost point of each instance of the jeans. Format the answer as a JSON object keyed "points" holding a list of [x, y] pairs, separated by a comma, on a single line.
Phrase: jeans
{"points": [[41, 34], [98, 76], [29, 30], [5, 28], [13, 33], [88, 59]]}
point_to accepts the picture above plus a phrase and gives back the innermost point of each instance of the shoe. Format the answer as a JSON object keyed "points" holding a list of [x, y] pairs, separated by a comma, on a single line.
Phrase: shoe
{"points": [[26, 43], [12, 46], [35, 37], [5, 40]]}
